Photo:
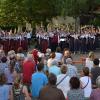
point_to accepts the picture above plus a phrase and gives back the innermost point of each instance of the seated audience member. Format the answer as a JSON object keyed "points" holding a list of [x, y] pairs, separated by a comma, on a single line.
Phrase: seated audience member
{"points": [[39, 80], [50, 91], [75, 93], [54, 68], [63, 80], [89, 60], [72, 70], [95, 95], [86, 82], [95, 72]]}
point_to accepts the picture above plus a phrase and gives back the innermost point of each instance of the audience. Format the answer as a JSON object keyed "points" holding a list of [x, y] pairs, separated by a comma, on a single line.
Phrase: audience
{"points": [[72, 70], [52, 58], [28, 70], [35, 75], [20, 91], [5, 91], [63, 80], [58, 54], [95, 72], [50, 91], [95, 95], [54, 68], [75, 92], [66, 55], [86, 82], [39, 80]]}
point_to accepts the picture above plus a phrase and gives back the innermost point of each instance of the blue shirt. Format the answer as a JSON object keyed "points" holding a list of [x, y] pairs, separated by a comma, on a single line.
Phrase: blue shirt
{"points": [[39, 80], [55, 70]]}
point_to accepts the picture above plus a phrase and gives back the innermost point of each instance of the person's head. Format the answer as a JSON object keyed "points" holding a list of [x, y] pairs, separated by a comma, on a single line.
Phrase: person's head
{"points": [[85, 71], [40, 66], [20, 57], [69, 61], [91, 55], [54, 63], [96, 62], [48, 50], [52, 79], [2, 79], [63, 69], [74, 83], [4, 59], [30, 57], [52, 55], [11, 54], [58, 49], [98, 81], [20, 50], [67, 53]]}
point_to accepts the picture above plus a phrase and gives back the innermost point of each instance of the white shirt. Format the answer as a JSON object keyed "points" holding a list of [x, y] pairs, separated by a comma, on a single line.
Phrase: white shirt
{"points": [[89, 63], [88, 88], [64, 85]]}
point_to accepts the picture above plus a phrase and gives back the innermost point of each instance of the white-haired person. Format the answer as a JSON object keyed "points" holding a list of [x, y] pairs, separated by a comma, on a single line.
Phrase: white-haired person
{"points": [[47, 54], [95, 95], [72, 70], [11, 56]]}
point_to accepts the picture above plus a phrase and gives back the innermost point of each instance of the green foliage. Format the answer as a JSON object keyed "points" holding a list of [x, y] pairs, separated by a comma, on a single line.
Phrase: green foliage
{"points": [[21, 11]]}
